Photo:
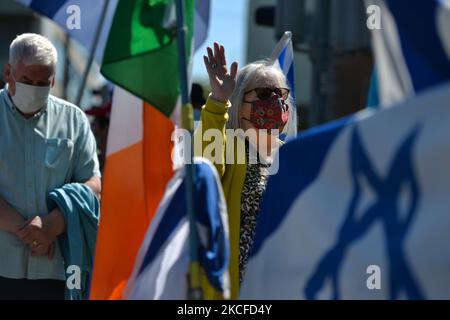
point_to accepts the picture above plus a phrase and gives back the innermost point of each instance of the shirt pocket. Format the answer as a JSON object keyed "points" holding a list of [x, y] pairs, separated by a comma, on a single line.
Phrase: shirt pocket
{"points": [[58, 153]]}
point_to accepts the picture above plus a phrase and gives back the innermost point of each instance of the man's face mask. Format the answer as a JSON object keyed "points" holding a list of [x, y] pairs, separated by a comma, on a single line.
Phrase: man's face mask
{"points": [[28, 98], [271, 113]]}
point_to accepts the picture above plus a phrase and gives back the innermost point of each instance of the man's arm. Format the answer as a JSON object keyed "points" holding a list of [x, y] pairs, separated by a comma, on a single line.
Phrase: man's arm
{"points": [[10, 219], [55, 219], [95, 184], [54, 224]]}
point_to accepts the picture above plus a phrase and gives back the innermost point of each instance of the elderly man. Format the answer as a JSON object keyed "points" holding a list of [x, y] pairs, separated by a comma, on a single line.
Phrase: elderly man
{"points": [[45, 144]]}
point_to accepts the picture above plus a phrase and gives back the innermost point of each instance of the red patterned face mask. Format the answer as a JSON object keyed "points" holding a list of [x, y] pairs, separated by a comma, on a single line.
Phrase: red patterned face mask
{"points": [[272, 113]]}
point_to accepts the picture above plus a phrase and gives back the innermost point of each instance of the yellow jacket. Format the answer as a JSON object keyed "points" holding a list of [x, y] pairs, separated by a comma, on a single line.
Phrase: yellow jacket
{"points": [[214, 116]]}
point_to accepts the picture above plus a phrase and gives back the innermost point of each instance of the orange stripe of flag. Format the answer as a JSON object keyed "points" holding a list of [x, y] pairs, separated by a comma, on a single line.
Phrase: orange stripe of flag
{"points": [[134, 182]]}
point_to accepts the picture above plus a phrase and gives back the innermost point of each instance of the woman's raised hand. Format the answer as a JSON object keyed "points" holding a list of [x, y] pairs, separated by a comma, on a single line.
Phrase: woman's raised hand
{"points": [[222, 82]]}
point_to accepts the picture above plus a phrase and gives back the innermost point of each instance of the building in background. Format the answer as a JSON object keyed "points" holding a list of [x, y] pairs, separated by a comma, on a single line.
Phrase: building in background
{"points": [[261, 40]]}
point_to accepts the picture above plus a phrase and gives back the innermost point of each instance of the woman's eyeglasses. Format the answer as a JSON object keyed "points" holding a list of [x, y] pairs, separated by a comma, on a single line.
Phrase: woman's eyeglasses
{"points": [[264, 93]]}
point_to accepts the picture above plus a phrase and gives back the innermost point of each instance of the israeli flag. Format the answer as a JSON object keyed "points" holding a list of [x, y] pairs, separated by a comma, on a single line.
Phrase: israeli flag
{"points": [[366, 193], [162, 264], [359, 208]]}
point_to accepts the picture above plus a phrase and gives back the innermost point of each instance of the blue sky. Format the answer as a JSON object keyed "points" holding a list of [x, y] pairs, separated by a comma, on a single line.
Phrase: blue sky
{"points": [[227, 25]]}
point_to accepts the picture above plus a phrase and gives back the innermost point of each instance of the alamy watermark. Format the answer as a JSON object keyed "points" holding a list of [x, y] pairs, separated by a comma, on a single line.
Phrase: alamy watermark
{"points": [[373, 282], [73, 277], [73, 20], [374, 17]]}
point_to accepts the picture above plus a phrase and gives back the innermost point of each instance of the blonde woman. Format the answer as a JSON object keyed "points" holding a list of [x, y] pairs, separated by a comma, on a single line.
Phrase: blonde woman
{"points": [[256, 100]]}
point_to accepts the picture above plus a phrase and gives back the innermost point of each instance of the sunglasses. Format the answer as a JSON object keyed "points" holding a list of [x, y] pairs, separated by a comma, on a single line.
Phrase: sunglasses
{"points": [[264, 93]]}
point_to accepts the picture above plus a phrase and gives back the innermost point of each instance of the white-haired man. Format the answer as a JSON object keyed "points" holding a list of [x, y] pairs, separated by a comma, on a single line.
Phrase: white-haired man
{"points": [[45, 143]]}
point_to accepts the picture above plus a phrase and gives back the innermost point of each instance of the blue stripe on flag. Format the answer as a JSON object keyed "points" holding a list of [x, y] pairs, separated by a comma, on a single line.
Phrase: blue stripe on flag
{"points": [[281, 57], [214, 259], [166, 226], [288, 69], [388, 189]]}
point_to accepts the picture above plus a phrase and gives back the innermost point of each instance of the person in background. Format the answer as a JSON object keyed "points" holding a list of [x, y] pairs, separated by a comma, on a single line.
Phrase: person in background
{"points": [[257, 98], [197, 100], [46, 146]]}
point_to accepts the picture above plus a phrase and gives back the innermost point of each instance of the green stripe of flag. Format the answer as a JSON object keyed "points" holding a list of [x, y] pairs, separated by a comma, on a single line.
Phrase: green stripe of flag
{"points": [[141, 53]]}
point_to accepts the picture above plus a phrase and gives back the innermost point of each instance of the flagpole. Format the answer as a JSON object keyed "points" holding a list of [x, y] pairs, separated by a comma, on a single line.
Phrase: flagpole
{"points": [[195, 291], [279, 46], [92, 53]]}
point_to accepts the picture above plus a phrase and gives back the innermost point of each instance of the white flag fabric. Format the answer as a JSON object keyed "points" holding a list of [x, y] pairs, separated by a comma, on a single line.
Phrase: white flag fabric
{"points": [[283, 55]]}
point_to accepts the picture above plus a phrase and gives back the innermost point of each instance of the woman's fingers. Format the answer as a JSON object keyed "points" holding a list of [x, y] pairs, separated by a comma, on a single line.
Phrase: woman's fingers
{"points": [[216, 63], [233, 71], [207, 65], [212, 60], [217, 54]]}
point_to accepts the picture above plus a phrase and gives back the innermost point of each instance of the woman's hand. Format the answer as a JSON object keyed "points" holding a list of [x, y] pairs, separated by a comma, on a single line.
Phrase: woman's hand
{"points": [[222, 83]]}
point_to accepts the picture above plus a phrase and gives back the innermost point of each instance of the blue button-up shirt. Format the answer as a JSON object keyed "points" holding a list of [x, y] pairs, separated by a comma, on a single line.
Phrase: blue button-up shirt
{"points": [[37, 155]]}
